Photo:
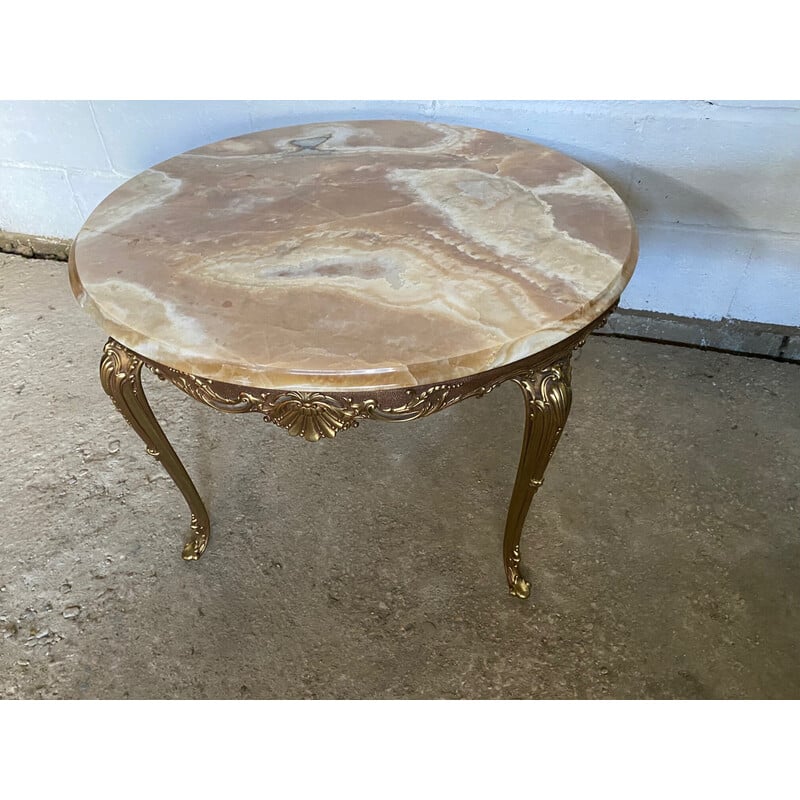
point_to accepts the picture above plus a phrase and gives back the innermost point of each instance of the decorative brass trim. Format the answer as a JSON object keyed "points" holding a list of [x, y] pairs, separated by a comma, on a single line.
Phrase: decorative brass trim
{"points": [[311, 415], [315, 415], [543, 377]]}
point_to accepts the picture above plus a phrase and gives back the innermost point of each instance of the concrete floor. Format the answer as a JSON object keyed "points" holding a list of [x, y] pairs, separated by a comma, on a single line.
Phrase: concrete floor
{"points": [[664, 548]]}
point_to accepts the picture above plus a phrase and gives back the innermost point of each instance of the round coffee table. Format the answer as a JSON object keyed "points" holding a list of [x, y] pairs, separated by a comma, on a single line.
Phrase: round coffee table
{"points": [[325, 274]]}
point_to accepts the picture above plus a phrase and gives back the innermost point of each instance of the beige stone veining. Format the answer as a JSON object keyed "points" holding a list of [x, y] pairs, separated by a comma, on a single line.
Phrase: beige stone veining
{"points": [[351, 255]]}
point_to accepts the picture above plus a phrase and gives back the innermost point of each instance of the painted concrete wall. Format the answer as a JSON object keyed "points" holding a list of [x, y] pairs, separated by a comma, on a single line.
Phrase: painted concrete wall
{"points": [[714, 186]]}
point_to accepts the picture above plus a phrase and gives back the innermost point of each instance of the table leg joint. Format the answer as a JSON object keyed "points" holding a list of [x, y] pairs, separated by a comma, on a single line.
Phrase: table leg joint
{"points": [[547, 394], [120, 376]]}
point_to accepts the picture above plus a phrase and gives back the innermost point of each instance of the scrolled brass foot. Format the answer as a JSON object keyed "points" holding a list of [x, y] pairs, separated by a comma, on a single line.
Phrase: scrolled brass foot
{"points": [[519, 587], [197, 541]]}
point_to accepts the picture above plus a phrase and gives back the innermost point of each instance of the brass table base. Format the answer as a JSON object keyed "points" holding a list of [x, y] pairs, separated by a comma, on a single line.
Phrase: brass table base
{"points": [[544, 379]]}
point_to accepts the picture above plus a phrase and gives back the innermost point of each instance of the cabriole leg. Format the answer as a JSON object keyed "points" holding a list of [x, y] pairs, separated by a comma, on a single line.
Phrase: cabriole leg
{"points": [[120, 374], [548, 396]]}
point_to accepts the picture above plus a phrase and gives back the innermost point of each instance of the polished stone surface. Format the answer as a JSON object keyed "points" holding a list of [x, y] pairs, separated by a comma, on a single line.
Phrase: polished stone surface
{"points": [[349, 255]]}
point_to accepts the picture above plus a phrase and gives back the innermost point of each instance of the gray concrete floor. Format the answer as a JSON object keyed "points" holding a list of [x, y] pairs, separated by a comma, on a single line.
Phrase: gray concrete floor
{"points": [[664, 547]]}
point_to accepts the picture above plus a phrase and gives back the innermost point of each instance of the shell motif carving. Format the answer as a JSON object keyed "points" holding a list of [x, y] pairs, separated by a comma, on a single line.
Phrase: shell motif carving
{"points": [[310, 415]]}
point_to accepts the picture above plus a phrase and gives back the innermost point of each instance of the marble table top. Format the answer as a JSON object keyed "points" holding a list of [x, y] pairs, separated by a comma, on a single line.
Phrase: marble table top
{"points": [[353, 255]]}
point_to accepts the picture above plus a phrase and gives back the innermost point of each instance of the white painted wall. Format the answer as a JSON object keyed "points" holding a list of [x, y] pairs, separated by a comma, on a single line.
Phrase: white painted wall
{"points": [[714, 186]]}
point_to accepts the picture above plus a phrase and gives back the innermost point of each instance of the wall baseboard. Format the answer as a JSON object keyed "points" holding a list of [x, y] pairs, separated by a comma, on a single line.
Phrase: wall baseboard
{"points": [[779, 342], [764, 340], [23, 244]]}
